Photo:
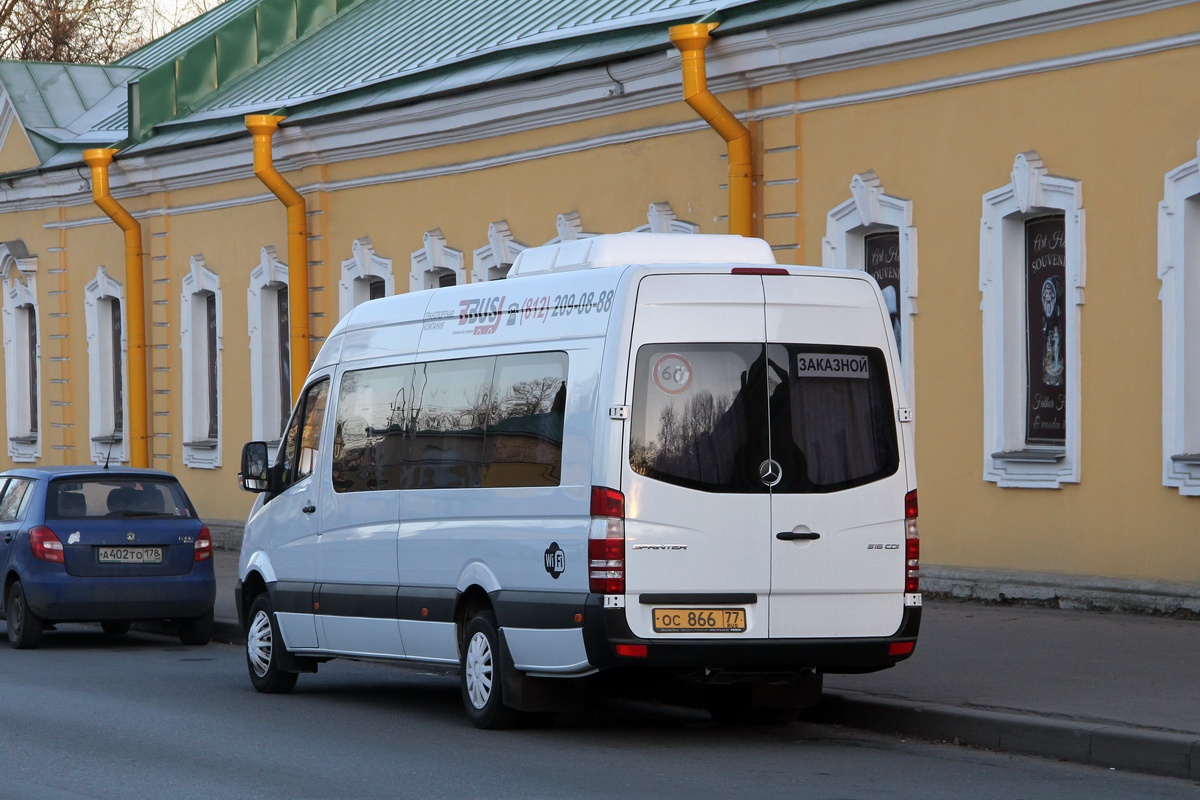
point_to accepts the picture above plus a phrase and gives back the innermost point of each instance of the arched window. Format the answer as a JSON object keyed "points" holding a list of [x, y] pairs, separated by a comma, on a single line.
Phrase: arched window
{"points": [[270, 347], [104, 312], [661, 219], [492, 261], [366, 275], [1179, 271], [22, 374], [435, 264], [1031, 274], [201, 341], [873, 232]]}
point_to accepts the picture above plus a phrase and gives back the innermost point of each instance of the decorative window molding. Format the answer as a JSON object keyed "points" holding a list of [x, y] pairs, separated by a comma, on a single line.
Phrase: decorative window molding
{"points": [[492, 261], [201, 339], [365, 276], [435, 264], [108, 372], [1008, 460], [1179, 271], [22, 351], [871, 211], [270, 347], [570, 228], [661, 219]]}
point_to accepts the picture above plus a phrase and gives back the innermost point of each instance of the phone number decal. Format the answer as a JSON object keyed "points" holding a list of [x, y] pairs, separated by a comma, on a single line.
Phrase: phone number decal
{"points": [[485, 315]]}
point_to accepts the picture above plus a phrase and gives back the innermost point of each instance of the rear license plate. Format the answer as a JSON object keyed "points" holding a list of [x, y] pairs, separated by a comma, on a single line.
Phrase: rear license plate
{"points": [[130, 555], [699, 620]]}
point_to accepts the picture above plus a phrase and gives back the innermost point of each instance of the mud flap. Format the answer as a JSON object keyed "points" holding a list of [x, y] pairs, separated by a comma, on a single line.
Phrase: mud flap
{"points": [[537, 695]]}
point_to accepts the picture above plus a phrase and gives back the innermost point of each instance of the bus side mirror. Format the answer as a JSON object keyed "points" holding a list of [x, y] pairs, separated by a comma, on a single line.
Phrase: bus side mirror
{"points": [[254, 475]]}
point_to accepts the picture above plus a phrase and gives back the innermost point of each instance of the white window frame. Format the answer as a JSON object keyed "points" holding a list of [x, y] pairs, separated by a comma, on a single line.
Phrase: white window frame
{"points": [[268, 277], [200, 452], [661, 218], [1179, 257], [871, 210], [493, 261], [104, 447], [364, 263], [1031, 192], [18, 281], [433, 261], [570, 228]]}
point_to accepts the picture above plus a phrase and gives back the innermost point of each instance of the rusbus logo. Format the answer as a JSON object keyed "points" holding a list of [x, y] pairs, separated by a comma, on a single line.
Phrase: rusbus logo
{"points": [[484, 313]]}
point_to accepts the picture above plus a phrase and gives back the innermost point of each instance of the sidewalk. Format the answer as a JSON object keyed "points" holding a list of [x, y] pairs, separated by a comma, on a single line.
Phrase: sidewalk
{"points": [[1113, 690]]}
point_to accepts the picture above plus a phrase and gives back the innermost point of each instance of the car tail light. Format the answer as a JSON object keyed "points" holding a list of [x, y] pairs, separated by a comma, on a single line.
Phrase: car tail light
{"points": [[912, 545], [45, 545], [606, 542], [203, 545]]}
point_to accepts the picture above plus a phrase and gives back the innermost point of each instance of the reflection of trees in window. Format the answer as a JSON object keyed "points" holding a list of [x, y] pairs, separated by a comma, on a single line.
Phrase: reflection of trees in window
{"points": [[472, 422], [118, 385], [530, 397], [210, 316], [285, 355]]}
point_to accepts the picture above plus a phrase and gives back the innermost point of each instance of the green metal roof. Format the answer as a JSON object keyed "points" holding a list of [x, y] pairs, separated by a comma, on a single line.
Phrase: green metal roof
{"points": [[58, 103], [315, 58]]}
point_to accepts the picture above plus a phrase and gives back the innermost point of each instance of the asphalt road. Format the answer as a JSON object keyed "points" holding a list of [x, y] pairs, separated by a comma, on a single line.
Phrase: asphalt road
{"points": [[86, 716]]}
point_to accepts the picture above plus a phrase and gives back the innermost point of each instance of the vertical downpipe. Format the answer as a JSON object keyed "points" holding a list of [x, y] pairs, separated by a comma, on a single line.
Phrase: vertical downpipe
{"points": [[263, 127], [139, 444], [691, 41]]}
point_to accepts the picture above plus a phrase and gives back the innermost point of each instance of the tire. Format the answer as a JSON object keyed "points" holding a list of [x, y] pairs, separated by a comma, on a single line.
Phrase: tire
{"points": [[482, 675], [24, 627], [195, 631], [116, 627], [262, 656]]}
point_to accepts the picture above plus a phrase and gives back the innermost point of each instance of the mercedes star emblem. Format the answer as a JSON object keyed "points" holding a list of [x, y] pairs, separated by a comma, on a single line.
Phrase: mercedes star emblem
{"points": [[769, 472]]}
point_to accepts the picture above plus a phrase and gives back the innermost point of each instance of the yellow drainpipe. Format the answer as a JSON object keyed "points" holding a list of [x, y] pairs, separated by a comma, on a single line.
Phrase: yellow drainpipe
{"points": [[135, 298], [691, 41], [263, 126]]}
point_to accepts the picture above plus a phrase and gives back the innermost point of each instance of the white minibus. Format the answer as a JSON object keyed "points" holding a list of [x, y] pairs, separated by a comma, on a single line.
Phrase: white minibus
{"points": [[652, 461]]}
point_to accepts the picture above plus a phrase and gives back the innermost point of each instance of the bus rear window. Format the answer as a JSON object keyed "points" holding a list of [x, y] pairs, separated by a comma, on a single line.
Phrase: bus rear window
{"points": [[709, 416]]}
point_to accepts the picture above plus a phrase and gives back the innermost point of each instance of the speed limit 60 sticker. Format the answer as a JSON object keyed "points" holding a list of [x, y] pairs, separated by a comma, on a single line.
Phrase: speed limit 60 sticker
{"points": [[672, 373]]}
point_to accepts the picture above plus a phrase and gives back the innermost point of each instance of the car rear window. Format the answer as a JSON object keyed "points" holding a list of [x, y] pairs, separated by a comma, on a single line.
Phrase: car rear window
{"points": [[116, 497], [709, 416]]}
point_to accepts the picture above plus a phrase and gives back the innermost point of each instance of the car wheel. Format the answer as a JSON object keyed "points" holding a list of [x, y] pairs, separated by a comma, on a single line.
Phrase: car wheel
{"points": [[116, 627], [196, 630], [24, 627], [482, 675], [262, 639]]}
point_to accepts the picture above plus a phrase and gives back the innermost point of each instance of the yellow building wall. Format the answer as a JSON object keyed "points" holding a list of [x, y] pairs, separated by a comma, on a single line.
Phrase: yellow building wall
{"points": [[1117, 126]]}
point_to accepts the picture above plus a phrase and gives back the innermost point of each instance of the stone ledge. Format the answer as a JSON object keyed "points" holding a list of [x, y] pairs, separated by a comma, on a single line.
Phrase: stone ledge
{"points": [[1062, 591]]}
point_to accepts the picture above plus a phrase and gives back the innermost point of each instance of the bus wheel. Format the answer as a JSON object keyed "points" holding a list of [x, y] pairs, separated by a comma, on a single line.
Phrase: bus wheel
{"points": [[482, 675]]}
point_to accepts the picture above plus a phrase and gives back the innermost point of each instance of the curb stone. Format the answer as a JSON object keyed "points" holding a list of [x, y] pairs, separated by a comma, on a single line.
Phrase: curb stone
{"points": [[1175, 755]]}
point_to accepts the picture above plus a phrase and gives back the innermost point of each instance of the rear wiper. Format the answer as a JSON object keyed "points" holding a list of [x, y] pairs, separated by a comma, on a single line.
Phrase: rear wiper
{"points": [[147, 514]]}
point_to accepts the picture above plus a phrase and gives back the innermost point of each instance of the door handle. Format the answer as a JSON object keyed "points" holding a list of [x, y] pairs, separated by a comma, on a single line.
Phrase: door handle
{"points": [[795, 536], [8, 537], [308, 509]]}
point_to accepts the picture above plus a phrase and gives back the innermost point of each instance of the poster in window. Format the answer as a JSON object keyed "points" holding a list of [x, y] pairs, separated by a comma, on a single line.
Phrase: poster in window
{"points": [[1045, 331], [881, 260]]}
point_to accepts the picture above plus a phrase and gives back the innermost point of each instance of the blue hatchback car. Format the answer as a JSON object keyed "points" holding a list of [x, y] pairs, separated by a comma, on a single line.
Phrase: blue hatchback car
{"points": [[114, 546]]}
